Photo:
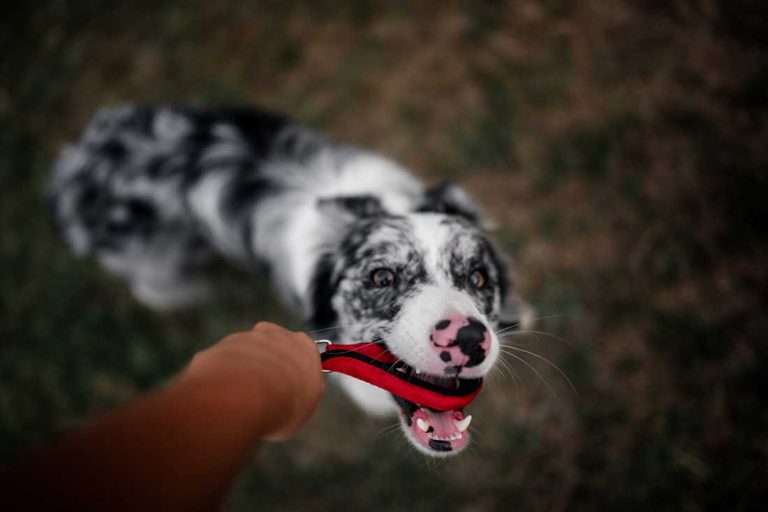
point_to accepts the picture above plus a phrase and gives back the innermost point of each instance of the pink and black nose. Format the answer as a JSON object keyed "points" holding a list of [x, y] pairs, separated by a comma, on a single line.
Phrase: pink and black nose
{"points": [[460, 341]]}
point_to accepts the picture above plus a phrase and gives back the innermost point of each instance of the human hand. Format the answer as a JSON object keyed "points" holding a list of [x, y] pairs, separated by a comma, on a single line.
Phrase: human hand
{"points": [[276, 370]]}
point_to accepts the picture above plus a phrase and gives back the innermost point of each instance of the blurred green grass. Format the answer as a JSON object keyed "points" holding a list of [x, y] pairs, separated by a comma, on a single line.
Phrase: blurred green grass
{"points": [[620, 147]]}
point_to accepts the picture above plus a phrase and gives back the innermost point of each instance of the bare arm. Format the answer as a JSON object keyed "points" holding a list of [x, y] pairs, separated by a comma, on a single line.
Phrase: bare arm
{"points": [[180, 448]]}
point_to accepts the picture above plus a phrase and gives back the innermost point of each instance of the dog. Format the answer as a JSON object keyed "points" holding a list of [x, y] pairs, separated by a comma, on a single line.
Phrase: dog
{"points": [[352, 242]]}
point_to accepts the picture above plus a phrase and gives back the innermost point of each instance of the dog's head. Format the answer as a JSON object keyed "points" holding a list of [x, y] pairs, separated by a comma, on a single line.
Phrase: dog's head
{"points": [[431, 286]]}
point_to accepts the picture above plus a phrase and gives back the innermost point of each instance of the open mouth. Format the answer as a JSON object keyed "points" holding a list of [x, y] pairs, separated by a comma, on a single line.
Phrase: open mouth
{"points": [[431, 406], [435, 432]]}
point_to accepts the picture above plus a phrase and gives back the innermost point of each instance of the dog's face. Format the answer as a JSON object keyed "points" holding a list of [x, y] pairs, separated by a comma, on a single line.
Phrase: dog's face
{"points": [[431, 287]]}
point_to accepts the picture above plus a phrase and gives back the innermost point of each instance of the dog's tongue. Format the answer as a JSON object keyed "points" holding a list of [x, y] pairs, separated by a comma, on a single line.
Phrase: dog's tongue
{"points": [[442, 431]]}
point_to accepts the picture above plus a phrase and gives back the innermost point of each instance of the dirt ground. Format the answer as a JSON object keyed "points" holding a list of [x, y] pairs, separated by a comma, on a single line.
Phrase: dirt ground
{"points": [[620, 146]]}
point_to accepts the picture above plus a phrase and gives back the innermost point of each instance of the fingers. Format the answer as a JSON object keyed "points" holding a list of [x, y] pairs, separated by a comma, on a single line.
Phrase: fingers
{"points": [[297, 352], [267, 327], [275, 329], [267, 357]]}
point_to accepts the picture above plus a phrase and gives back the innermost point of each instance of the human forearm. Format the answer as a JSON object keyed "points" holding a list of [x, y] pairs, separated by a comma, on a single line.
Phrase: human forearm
{"points": [[179, 448]]}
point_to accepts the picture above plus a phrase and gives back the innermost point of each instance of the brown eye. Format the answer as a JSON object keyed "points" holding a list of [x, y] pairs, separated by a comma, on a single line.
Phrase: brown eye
{"points": [[477, 279], [383, 278]]}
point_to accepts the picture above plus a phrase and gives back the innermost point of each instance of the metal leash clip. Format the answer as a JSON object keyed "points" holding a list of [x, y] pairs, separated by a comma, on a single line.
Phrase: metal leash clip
{"points": [[321, 346]]}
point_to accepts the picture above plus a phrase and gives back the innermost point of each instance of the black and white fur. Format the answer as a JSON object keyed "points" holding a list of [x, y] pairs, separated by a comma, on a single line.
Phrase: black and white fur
{"points": [[151, 192]]}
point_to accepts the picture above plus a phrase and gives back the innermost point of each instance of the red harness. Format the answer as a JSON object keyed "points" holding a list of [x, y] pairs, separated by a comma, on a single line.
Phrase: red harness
{"points": [[374, 364]]}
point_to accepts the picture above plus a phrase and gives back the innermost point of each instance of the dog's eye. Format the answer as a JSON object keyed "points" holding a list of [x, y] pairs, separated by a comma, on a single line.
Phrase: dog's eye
{"points": [[477, 278], [383, 277]]}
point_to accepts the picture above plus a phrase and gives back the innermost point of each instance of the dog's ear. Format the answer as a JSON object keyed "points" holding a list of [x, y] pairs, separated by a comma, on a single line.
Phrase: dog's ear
{"points": [[352, 206], [323, 287], [515, 315], [449, 199]]}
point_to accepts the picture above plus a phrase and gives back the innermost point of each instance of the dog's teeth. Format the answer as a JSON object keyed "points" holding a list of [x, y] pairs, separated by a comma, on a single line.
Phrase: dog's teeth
{"points": [[422, 424], [463, 425]]}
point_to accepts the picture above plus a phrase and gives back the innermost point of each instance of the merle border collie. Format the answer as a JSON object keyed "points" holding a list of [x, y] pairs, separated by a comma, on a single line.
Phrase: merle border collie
{"points": [[352, 242]]}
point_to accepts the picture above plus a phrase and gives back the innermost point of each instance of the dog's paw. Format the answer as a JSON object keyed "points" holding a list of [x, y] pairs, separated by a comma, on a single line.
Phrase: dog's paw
{"points": [[169, 296]]}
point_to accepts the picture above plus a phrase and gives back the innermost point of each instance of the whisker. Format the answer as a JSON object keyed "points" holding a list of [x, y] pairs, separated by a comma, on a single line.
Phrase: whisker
{"points": [[542, 333], [503, 365], [315, 331], [515, 376], [332, 327], [550, 363], [377, 341], [507, 329], [475, 432], [388, 430], [558, 315], [534, 370], [493, 377], [392, 366], [525, 342], [499, 373]]}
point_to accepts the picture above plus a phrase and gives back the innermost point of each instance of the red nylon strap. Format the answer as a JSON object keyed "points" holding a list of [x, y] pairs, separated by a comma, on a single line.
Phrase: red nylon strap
{"points": [[374, 364]]}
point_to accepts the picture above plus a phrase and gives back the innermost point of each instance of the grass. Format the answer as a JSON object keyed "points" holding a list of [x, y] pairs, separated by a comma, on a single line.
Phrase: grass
{"points": [[620, 148]]}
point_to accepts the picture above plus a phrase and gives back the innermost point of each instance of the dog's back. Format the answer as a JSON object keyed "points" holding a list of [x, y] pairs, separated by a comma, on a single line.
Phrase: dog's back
{"points": [[151, 192]]}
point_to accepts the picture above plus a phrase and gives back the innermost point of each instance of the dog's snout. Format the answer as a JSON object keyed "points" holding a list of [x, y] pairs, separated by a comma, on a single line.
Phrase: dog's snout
{"points": [[460, 341]]}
